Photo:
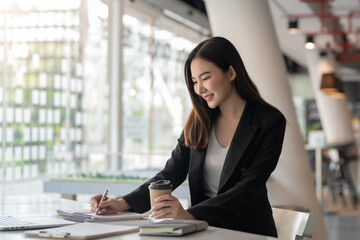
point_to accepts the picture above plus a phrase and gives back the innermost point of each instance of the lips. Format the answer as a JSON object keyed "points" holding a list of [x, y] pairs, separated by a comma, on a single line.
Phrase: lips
{"points": [[208, 97]]}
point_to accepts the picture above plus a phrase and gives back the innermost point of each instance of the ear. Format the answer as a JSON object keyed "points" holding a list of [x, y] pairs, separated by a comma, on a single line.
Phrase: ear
{"points": [[231, 73]]}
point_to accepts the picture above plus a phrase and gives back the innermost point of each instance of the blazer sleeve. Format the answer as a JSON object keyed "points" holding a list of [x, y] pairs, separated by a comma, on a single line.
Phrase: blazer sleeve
{"points": [[175, 170], [253, 179]]}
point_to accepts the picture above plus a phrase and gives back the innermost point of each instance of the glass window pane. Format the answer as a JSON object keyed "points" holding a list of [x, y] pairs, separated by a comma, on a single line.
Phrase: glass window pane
{"points": [[155, 98], [137, 82]]}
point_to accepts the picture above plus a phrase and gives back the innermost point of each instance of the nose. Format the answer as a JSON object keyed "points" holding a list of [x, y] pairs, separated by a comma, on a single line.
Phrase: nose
{"points": [[200, 88]]}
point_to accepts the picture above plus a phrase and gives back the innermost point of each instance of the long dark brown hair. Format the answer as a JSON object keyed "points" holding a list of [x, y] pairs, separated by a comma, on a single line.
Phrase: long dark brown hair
{"points": [[223, 54]]}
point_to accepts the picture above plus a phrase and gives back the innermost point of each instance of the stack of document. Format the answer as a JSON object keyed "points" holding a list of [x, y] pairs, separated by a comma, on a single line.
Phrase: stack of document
{"points": [[87, 216]]}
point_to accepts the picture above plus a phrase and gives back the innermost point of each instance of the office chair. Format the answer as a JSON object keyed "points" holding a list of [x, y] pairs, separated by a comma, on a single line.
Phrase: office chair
{"points": [[293, 225]]}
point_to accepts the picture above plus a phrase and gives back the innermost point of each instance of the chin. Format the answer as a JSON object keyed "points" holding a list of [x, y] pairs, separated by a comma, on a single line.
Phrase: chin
{"points": [[212, 105]]}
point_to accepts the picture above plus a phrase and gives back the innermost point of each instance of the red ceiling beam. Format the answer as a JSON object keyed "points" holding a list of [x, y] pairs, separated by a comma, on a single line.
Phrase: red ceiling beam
{"points": [[340, 37], [349, 58]]}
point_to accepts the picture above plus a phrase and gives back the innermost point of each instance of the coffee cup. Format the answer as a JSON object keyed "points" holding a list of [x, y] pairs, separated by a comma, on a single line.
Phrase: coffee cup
{"points": [[159, 188]]}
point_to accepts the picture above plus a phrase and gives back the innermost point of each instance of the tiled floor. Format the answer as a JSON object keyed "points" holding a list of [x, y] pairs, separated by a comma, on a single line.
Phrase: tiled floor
{"points": [[340, 227], [341, 219]]}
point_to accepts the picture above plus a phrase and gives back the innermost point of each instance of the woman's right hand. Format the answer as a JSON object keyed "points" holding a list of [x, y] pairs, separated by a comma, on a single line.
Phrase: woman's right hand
{"points": [[109, 205]]}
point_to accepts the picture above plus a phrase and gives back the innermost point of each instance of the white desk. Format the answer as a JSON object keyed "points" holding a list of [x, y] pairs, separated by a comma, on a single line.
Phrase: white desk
{"points": [[44, 204]]}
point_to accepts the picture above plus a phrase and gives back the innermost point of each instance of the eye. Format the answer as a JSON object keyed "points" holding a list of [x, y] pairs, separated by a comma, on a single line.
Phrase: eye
{"points": [[194, 82]]}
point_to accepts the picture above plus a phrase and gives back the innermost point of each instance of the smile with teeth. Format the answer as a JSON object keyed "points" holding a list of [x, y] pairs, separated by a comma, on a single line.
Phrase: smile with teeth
{"points": [[208, 97]]}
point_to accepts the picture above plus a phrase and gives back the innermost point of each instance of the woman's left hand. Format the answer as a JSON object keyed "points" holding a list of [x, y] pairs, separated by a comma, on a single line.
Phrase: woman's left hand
{"points": [[168, 206]]}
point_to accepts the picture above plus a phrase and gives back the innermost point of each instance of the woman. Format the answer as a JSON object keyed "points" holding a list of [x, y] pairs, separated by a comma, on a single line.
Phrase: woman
{"points": [[230, 145]]}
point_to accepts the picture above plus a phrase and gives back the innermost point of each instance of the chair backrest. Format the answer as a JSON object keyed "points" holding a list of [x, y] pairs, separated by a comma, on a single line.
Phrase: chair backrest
{"points": [[293, 225]]}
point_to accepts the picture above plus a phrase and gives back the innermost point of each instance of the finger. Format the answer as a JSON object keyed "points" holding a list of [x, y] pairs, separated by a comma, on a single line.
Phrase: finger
{"points": [[172, 202], [95, 199], [165, 197], [107, 211], [164, 213], [164, 205], [159, 206], [92, 208], [107, 203], [102, 211]]}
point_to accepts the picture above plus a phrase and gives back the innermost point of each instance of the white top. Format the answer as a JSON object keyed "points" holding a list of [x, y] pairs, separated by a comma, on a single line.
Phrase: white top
{"points": [[214, 162]]}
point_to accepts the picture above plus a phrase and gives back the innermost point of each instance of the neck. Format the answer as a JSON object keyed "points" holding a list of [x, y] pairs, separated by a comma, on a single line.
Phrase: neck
{"points": [[233, 107]]}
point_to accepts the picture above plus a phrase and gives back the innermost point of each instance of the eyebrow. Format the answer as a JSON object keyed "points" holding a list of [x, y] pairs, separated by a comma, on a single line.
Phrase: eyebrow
{"points": [[201, 74]]}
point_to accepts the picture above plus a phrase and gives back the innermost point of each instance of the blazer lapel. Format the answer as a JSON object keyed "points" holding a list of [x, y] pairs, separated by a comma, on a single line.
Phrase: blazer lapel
{"points": [[242, 137]]}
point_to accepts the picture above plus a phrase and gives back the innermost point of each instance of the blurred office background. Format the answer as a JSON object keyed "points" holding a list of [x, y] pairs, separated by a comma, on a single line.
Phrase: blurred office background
{"points": [[56, 85], [94, 89]]}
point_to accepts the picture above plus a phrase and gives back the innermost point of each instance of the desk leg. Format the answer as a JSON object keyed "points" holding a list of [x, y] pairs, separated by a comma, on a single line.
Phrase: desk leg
{"points": [[318, 174], [69, 196]]}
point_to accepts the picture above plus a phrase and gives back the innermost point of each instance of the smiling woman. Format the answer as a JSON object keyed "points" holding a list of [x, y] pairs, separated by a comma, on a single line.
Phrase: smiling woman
{"points": [[236, 87], [229, 147]]}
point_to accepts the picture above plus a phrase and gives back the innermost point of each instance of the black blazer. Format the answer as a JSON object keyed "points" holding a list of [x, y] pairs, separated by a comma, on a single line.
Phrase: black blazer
{"points": [[242, 202]]}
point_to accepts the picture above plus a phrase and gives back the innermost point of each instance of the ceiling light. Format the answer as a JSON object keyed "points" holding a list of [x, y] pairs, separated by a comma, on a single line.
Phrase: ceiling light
{"points": [[331, 84], [310, 44], [293, 26]]}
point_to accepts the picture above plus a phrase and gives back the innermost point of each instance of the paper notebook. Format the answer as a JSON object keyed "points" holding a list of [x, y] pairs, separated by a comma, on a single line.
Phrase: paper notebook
{"points": [[86, 216], [82, 231], [173, 227], [71, 212]]}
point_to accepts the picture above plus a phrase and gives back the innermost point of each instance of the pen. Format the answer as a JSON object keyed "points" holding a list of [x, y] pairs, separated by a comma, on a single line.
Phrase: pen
{"points": [[102, 199]]}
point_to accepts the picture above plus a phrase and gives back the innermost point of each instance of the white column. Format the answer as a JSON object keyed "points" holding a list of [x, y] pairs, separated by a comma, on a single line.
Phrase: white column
{"points": [[115, 46], [334, 111], [248, 24]]}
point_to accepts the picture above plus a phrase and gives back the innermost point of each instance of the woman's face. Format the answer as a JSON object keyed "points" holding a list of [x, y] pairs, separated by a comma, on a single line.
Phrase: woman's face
{"points": [[210, 82]]}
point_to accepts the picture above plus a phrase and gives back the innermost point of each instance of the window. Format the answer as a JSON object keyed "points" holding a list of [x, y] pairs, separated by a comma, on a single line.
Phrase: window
{"points": [[56, 91], [155, 97], [53, 108]]}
